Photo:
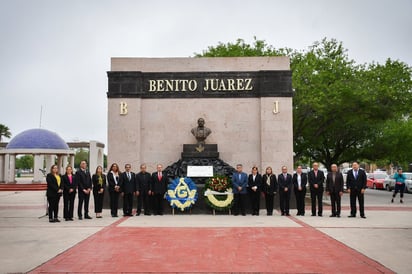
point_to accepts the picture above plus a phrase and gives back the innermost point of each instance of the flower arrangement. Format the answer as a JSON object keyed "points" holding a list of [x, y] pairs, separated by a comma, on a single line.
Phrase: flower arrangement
{"points": [[182, 193], [218, 193]]}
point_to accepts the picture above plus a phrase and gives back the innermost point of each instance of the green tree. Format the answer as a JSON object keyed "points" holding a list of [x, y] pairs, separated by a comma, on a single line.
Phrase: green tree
{"points": [[25, 162], [340, 108], [4, 132], [80, 155]]}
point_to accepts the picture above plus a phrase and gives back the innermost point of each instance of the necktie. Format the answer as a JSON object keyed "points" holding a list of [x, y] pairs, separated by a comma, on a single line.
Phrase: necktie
{"points": [[159, 176], [284, 176], [316, 174], [239, 176], [356, 174], [128, 175]]}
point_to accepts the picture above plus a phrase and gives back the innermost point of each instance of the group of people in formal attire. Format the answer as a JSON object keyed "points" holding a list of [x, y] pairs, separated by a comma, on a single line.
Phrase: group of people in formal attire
{"points": [[149, 189], [254, 185]]}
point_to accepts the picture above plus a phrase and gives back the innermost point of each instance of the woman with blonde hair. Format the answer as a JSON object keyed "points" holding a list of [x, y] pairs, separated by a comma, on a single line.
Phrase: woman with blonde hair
{"points": [[99, 185]]}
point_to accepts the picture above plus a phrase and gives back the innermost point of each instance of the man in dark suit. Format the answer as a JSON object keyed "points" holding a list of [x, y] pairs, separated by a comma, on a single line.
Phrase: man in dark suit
{"points": [[299, 181], [143, 192], [285, 188], [334, 188], [128, 189], [84, 181], [158, 188], [356, 184], [316, 179], [239, 182]]}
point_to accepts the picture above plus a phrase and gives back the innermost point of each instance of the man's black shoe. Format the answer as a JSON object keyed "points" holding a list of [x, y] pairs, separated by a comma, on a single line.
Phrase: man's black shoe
{"points": [[351, 216], [333, 215], [363, 217], [80, 218], [88, 217]]}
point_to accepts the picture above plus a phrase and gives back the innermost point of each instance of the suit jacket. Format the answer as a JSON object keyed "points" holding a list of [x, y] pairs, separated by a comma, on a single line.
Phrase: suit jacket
{"points": [[127, 186], [319, 180], [143, 182], [303, 181], [257, 182], [242, 182], [52, 186], [112, 182], [95, 181], [334, 187], [358, 183], [83, 179], [67, 185], [272, 187], [156, 186], [285, 182]]}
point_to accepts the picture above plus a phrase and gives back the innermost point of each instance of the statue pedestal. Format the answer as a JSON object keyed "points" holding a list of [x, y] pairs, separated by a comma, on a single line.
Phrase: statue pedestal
{"points": [[200, 151]]}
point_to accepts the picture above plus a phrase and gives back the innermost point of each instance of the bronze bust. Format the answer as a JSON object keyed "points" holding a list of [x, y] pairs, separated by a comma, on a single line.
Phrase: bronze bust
{"points": [[201, 132]]}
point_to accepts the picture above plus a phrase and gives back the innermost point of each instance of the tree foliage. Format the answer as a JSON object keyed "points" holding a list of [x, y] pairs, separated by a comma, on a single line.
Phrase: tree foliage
{"points": [[342, 111], [4, 132], [25, 162], [80, 155]]}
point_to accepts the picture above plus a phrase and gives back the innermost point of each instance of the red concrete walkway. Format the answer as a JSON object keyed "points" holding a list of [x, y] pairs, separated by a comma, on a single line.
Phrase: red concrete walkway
{"points": [[260, 250]]}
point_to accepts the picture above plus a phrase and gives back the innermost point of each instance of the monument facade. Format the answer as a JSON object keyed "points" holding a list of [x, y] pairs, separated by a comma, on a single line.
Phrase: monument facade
{"points": [[154, 102]]}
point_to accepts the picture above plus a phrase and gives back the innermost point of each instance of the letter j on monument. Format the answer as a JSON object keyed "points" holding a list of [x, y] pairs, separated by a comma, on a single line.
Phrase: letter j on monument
{"points": [[154, 102]]}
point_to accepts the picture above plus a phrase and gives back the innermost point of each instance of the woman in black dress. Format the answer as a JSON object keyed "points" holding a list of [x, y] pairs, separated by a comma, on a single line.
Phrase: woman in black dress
{"points": [[113, 178], [99, 185], [69, 193], [269, 189], [54, 191]]}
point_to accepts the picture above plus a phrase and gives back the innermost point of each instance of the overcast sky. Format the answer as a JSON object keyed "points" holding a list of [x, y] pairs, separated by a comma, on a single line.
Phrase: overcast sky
{"points": [[55, 54]]}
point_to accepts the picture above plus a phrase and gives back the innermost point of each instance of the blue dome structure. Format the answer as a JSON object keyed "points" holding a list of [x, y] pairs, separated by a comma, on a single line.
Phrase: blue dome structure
{"points": [[37, 139]]}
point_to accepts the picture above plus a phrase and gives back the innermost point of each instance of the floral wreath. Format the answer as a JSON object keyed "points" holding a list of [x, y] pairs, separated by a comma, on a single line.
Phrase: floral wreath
{"points": [[182, 193], [218, 193]]}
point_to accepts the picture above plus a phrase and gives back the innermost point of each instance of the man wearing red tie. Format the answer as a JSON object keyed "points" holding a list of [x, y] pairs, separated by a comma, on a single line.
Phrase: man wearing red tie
{"points": [[158, 187]]}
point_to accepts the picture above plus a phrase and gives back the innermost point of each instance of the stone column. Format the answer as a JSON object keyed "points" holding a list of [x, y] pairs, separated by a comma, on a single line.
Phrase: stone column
{"points": [[276, 133], [38, 176], [1, 168], [72, 161], [60, 163], [125, 144], [64, 164], [50, 160], [12, 169]]}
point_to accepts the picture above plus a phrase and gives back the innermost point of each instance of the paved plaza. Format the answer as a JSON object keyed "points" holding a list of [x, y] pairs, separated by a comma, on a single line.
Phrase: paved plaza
{"points": [[382, 243]]}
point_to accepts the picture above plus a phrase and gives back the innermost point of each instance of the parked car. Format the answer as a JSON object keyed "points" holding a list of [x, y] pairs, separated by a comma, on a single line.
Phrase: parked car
{"points": [[376, 180], [389, 182]]}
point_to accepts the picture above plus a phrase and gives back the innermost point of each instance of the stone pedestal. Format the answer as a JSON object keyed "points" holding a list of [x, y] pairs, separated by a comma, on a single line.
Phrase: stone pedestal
{"points": [[200, 151]]}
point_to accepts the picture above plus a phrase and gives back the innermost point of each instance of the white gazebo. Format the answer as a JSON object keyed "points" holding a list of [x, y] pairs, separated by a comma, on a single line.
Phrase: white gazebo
{"points": [[44, 145]]}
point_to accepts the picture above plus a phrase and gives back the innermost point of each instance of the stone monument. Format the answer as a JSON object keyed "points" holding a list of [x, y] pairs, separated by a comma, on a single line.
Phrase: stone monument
{"points": [[245, 101], [199, 154]]}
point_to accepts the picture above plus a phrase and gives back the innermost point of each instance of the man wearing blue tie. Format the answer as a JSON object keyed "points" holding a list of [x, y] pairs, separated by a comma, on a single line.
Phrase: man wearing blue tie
{"points": [[356, 184], [239, 182]]}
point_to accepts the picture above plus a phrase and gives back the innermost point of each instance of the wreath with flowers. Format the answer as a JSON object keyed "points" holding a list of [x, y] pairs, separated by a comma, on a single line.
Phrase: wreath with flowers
{"points": [[182, 193], [218, 193]]}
